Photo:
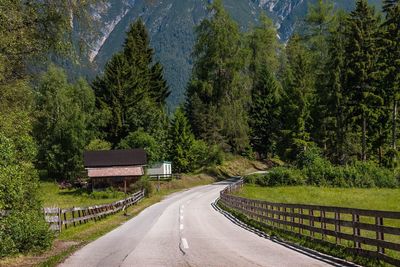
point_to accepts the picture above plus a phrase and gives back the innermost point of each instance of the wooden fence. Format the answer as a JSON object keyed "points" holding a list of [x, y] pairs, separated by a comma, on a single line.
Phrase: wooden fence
{"points": [[57, 218], [369, 233]]}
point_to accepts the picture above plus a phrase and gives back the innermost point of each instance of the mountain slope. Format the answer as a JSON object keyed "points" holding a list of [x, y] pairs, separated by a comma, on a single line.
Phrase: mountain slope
{"points": [[171, 25]]}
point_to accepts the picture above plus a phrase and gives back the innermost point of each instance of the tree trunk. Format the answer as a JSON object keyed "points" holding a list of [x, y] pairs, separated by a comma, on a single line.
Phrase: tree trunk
{"points": [[364, 141], [394, 133]]}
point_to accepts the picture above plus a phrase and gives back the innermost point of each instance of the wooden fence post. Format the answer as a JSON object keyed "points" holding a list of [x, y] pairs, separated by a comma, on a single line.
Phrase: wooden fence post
{"points": [[311, 213], [337, 226], [65, 219], [356, 230], [379, 234], [73, 214], [323, 224]]}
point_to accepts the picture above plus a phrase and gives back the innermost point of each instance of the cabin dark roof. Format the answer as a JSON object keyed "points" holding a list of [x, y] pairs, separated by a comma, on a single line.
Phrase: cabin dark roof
{"points": [[109, 158]]}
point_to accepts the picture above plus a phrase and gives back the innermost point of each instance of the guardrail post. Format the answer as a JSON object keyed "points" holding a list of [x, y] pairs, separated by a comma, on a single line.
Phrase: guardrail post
{"points": [[379, 234]]}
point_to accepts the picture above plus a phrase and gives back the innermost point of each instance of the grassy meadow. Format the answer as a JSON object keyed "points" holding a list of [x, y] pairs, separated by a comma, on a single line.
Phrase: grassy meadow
{"points": [[368, 198]]}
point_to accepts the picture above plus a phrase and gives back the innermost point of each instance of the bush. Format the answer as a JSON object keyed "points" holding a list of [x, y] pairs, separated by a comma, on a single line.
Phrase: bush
{"points": [[143, 183], [24, 231], [98, 144], [278, 177]]}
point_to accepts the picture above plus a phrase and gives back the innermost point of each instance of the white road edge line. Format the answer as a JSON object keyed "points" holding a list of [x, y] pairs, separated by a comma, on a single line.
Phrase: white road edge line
{"points": [[185, 243]]}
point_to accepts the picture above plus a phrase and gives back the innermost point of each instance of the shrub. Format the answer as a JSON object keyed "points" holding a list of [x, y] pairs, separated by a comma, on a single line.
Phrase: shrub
{"points": [[278, 176], [24, 231], [371, 175], [143, 183], [98, 144]]}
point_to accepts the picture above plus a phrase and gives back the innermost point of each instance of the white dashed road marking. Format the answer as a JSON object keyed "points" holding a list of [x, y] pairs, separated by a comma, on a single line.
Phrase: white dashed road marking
{"points": [[185, 243]]}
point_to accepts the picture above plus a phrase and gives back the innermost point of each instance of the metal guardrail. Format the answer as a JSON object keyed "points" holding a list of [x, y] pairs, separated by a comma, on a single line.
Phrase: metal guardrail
{"points": [[57, 217], [368, 233]]}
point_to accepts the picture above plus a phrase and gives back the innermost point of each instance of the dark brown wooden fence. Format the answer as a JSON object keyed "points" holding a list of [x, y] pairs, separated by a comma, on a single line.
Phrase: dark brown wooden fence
{"points": [[369, 233], [59, 218]]}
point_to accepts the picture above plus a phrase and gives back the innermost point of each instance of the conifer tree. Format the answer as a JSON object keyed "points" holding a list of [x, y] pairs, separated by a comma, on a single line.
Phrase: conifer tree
{"points": [[361, 58], [332, 98], [218, 91], [181, 140], [132, 91], [390, 57], [298, 97], [265, 112]]}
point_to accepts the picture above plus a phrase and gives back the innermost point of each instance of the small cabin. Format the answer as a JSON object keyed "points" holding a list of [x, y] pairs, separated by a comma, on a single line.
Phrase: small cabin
{"points": [[117, 168], [160, 170]]}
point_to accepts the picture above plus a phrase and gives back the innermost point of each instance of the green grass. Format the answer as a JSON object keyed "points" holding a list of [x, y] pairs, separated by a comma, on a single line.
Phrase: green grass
{"points": [[51, 195], [372, 198]]}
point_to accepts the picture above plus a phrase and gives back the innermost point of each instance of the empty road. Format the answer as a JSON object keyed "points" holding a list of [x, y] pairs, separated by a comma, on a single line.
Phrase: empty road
{"points": [[185, 230]]}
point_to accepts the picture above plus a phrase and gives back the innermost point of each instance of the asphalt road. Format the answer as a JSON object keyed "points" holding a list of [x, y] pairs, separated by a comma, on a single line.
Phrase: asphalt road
{"points": [[185, 230]]}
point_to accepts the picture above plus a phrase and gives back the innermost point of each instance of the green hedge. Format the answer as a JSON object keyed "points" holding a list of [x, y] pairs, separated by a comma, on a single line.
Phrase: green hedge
{"points": [[322, 173]]}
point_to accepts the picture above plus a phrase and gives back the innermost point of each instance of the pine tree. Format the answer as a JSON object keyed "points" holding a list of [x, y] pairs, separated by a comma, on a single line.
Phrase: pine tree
{"points": [[319, 21], [132, 91], [389, 67], [218, 91], [391, 61], [298, 98], [265, 112], [181, 140], [361, 55], [332, 99], [117, 90]]}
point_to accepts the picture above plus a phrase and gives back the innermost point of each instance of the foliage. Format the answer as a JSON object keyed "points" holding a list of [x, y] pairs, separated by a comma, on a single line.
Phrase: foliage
{"points": [[132, 89], [181, 141], [24, 229], [278, 176], [218, 91], [98, 144], [143, 184], [64, 123], [141, 139]]}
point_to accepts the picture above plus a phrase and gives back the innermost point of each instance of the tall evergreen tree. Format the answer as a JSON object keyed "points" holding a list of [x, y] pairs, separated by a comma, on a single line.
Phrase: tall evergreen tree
{"points": [[390, 57], [181, 140], [361, 55], [265, 112], [298, 97], [332, 99], [218, 91], [132, 91]]}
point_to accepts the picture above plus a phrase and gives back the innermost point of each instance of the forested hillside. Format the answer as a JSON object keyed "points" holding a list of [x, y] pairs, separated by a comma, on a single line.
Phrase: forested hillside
{"points": [[171, 28]]}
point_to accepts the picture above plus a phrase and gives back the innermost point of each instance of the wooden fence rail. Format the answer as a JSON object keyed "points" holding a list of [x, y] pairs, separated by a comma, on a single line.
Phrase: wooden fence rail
{"points": [[57, 217], [369, 233]]}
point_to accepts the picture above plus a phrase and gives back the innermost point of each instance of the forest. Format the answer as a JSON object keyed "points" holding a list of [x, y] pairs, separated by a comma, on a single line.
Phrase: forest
{"points": [[324, 104]]}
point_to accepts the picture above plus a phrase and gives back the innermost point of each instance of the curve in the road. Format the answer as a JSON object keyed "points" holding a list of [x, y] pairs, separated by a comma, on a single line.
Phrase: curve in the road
{"points": [[185, 230]]}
